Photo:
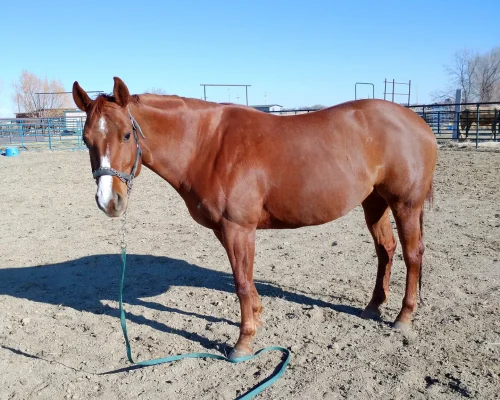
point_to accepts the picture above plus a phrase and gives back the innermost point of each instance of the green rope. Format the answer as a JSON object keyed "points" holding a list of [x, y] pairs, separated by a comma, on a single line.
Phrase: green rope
{"points": [[252, 393]]}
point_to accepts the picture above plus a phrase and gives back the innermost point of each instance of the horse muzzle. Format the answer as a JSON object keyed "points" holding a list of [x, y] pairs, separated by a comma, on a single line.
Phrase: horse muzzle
{"points": [[112, 202]]}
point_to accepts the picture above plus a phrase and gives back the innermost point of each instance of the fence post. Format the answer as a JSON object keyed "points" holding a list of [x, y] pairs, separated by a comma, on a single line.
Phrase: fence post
{"points": [[496, 124], [80, 131], [456, 128], [477, 125], [467, 126], [50, 136], [439, 122]]}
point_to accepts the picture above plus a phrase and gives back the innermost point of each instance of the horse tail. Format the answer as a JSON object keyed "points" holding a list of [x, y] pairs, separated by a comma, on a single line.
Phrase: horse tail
{"points": [[429, 198]]}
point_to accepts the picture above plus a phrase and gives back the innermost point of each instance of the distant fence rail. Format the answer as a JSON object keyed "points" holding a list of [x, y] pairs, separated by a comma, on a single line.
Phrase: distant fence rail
{"points": [[465, 121], [473, 121], [291, 112], [42, 133]]}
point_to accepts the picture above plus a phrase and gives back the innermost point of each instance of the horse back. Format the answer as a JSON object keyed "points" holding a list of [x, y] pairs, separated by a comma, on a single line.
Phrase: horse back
{"points": [[291, 171]]}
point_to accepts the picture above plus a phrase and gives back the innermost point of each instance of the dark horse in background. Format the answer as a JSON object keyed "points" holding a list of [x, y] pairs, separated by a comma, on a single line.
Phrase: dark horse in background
{"points": [[239, 169], [489, 118]]}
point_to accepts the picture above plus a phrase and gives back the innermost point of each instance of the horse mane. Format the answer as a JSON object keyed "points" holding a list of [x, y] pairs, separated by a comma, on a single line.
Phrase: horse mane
{"points": [[103, 98], [152, 98], [168, 101]]}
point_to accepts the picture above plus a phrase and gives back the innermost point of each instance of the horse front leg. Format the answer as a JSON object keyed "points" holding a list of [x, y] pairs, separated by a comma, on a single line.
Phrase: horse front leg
{"points": [[256, 303], [239, 243]]}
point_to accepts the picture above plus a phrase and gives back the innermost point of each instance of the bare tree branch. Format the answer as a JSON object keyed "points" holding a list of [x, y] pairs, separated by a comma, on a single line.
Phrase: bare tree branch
{"points": [[443, 96], [31, 95], [488, 76], [477, 75], [157, 91], [462, 72], [1, 90]]}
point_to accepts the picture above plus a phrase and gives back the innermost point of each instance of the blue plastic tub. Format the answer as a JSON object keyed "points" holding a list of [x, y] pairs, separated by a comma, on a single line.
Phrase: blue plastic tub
{"points": [[11, 151]]}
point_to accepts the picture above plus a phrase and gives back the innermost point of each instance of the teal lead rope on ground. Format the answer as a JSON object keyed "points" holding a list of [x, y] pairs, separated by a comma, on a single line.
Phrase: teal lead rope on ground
{"points": [[252, 393]]}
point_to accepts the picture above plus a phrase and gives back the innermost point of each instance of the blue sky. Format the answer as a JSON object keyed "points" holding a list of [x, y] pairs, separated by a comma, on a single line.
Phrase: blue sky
{"points": [[298, 53]]}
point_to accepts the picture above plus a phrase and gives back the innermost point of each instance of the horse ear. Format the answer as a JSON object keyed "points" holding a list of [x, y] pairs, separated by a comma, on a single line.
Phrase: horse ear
{"points": [[81, 98], [121, 93]]}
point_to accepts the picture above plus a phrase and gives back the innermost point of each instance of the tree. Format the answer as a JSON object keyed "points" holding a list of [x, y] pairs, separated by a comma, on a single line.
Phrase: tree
{"points": [[316, 107], [488, 76], [158, 91], [477, 75], [463, 73], [1, 89], [30, 95]]}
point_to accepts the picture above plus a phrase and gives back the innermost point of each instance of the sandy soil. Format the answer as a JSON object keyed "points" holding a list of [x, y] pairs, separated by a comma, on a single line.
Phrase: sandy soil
{"points": [[60, 335]]}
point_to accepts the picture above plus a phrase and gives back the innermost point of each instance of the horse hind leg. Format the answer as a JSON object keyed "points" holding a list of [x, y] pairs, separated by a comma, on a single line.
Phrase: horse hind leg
{"points": [[377, 219], [409, 220]]}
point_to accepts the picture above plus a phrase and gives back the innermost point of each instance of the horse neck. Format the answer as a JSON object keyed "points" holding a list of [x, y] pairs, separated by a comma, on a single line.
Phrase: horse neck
{"points": [[171, 126]]}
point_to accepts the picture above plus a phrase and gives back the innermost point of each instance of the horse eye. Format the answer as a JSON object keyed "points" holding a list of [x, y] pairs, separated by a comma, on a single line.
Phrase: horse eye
{"points": [[126, 138]]}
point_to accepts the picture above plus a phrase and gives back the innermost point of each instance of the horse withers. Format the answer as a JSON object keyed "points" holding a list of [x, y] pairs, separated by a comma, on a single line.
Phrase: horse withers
{"points": [[239, 169]]}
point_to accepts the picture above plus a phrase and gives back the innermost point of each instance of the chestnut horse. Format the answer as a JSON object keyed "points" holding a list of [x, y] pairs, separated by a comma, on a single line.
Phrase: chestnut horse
{"points": [[239, 169]]}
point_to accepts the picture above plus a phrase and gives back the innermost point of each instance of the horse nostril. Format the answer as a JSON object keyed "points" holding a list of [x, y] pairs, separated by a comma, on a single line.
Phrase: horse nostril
{"points": [[118, 201]]}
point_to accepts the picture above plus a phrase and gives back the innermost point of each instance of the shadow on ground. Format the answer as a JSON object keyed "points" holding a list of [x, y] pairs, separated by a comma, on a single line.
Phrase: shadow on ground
{"points": [[84, 283]]}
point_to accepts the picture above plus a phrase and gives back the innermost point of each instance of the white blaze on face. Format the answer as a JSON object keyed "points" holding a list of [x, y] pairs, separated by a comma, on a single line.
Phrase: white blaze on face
{"points": [[105, 187], [102, 126]]}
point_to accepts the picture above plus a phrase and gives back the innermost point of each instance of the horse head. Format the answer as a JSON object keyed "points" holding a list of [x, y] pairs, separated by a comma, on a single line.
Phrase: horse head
{"points": [[110, 134]]}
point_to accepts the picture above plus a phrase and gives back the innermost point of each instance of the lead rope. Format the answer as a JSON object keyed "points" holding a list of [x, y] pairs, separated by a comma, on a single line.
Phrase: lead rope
{"points": [[251, 393]]}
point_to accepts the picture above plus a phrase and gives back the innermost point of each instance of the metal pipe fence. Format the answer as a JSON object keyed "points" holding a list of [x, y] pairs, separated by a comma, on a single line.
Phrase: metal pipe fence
{"points": [[291, 112], [477, 122], [42, 133]]}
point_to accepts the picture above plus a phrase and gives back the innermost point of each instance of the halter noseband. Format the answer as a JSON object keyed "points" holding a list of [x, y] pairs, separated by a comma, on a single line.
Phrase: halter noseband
{"points": [[125, 178]]}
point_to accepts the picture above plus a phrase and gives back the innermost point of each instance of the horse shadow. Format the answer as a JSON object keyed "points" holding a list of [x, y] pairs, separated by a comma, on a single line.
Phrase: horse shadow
{"points": [[85, 284]]}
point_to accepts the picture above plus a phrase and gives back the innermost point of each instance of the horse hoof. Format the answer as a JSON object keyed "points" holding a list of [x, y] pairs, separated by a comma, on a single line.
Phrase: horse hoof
{"points": [[402, 326], [237, 354], [371, 313]]}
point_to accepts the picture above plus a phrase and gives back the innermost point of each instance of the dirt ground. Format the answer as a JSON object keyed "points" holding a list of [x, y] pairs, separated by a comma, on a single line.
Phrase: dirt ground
{"points": [[60, 336]]}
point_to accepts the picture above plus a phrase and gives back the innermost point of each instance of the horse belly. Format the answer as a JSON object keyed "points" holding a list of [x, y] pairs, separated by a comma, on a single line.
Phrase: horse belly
{"points": [[313, 203]]}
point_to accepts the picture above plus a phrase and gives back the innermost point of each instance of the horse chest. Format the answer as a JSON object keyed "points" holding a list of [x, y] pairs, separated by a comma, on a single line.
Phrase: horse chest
{"points": [[203, 212]]}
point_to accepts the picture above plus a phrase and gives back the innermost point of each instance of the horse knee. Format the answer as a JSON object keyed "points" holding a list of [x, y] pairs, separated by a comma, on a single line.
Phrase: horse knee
{"points": [[421, 248], [413, 258], [243, 289]]}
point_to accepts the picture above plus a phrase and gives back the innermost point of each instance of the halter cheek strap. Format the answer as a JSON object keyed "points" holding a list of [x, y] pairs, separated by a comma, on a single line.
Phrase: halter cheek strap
{"points": [[125, 178], [135, 125]]}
